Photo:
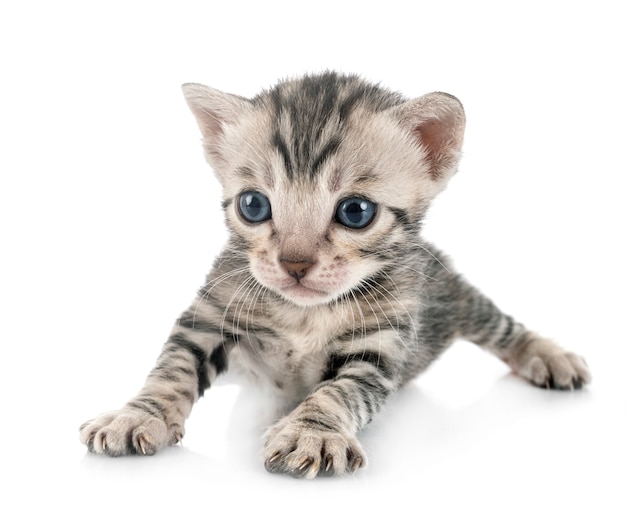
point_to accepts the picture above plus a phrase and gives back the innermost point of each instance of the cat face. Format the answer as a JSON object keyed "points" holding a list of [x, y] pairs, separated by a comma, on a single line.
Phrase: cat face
{"points": [[326, 178], [310, 247]]}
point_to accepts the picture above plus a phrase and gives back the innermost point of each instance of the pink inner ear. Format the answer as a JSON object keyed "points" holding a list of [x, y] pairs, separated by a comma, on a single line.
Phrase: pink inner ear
{"points": [[209, 122], [434, 135]]}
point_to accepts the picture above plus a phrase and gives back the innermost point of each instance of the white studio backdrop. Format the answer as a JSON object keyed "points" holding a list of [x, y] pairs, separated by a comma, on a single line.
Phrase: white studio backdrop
{"points": [[110, 219]]}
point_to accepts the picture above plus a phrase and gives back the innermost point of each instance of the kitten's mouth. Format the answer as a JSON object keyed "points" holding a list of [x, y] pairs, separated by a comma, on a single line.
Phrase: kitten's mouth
{"points": [[304, 295]]}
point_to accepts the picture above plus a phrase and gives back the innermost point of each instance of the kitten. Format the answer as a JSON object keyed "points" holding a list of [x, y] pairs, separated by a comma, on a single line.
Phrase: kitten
{"points": [[325, 292]]}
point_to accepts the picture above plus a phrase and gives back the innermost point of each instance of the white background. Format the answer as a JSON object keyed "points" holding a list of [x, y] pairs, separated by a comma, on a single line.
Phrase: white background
{"points": [[110, 219]]}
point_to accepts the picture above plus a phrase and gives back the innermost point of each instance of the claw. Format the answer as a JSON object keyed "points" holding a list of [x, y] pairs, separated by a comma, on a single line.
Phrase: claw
{"points": [[140, 441], [274, 457], [329, 463], [358, 462], [306, 462]]}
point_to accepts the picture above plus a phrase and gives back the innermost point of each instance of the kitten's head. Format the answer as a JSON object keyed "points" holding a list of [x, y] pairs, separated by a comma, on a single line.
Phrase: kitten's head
{"points": [[326, 178]]}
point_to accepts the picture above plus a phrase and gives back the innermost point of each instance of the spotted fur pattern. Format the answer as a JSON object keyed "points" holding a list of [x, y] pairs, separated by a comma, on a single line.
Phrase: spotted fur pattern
{"points": [[330, 318]]}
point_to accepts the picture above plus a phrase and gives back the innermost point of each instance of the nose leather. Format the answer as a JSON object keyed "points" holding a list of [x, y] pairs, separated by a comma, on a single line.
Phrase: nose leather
{"points": [[296, 269]]}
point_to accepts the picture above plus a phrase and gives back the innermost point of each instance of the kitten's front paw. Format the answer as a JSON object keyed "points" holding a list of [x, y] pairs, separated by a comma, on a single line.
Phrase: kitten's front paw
{"points": [[547, 365], [127, 431], [566, 371], [300, 449]]}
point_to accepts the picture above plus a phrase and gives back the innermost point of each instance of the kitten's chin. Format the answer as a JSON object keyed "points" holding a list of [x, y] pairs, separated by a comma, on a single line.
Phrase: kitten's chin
{"points": [[303, 296]]}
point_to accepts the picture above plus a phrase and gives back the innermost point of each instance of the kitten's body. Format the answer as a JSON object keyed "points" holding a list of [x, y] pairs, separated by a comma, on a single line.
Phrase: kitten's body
{"points": [[325, 291]]}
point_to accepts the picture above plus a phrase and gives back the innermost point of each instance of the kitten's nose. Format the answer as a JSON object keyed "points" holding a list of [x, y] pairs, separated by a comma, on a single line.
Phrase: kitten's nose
{"points": [[296, 269]]}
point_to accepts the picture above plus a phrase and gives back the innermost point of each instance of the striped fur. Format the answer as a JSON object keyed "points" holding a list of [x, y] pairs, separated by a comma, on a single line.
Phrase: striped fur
{"points": [[332, 319]]}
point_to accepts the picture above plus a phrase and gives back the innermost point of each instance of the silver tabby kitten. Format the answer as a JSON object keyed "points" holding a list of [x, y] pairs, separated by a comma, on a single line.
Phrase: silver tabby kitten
{"points": [[325, 291]]}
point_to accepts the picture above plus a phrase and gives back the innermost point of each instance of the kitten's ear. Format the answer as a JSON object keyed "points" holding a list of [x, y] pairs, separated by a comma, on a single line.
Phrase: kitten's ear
{"points": [[213, 110], [437, 122]]}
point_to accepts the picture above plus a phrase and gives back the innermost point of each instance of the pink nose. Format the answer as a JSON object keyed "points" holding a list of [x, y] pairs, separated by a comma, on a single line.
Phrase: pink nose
{"points": [[296, 269]]}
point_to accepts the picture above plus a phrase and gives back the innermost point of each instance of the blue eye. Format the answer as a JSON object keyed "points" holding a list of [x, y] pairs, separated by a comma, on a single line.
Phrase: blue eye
{"points": [[254, 207], [355, 212]]}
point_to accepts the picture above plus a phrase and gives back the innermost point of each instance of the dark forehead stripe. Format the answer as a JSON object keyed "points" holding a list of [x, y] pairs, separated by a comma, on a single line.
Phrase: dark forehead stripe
{"points": [[325, 153], [310, 116], [281, 145]]}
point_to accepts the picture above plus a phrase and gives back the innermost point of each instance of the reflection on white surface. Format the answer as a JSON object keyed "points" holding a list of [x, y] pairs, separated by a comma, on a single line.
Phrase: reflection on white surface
{"points": [[505, 446]]}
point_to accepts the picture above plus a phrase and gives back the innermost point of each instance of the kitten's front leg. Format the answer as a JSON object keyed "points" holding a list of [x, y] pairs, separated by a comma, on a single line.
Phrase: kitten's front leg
{"points": [[191, 358], [543, 362], [454, 308], [319, 436], [537, 359]]}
